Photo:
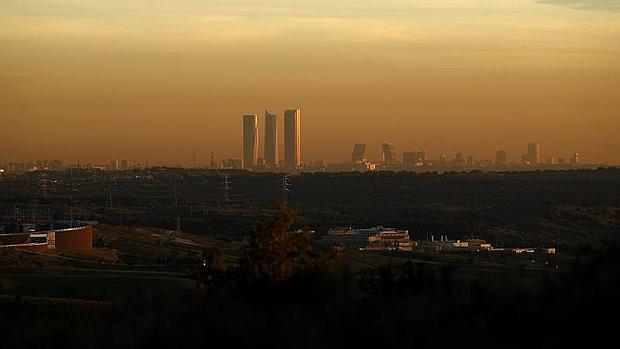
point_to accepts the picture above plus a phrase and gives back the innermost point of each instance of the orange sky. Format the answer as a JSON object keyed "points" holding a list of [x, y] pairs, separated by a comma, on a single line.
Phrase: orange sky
{"points": [[97, 80]]}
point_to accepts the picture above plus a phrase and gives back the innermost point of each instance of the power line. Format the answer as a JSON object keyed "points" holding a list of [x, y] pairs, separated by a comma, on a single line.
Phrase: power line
{"points": [[226, 187], [286, 188]]}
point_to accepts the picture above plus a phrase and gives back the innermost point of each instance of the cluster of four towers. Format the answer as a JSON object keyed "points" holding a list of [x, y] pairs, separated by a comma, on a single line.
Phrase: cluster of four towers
{"points": [[292, 144]]}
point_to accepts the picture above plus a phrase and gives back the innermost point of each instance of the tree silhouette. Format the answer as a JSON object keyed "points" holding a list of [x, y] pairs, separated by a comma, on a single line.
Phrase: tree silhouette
{"points": [[274, 254]]}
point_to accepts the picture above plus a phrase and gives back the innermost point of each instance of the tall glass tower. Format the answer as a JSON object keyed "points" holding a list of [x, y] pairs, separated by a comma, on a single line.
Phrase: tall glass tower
{"points": [[250, 140], [292, 140]]}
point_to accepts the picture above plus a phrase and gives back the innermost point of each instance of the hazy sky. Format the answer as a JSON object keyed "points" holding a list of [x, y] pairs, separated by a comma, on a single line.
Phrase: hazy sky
{"points": [[102, 79]]}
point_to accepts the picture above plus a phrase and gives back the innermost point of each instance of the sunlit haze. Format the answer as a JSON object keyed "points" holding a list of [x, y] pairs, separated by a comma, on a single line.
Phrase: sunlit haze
{"points": [[99, 80]]}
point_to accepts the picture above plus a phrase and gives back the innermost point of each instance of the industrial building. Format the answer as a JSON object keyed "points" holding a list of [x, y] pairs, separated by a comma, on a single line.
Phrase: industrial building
{"points": [[76, 238], [80, 238], [376, 238]]}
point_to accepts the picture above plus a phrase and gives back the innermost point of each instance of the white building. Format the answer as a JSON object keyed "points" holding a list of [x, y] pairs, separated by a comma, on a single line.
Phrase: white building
{"points": [[377, 238]]}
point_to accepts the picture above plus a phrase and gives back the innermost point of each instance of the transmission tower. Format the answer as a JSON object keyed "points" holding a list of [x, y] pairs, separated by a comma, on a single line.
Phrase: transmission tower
{"points": [[110, 196], [226, 187], [44, 184], [286, 188], [176, 205]]}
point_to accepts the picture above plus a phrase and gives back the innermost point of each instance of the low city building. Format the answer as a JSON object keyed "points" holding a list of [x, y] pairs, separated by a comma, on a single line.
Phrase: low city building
{"points": [[377, 238]]}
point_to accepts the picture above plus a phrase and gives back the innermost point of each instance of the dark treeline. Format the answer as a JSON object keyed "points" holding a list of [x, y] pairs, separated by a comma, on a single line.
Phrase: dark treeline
{"points": [[539, 208]]}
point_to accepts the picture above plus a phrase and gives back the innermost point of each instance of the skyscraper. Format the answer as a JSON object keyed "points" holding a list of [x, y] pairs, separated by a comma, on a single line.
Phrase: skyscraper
{"points": [[250, 140], [292, 140], [533, 153], [271, 139], [389, 155], [359, 150]]}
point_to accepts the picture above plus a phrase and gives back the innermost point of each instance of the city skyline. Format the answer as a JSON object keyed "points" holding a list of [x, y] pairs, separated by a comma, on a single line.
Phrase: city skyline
{"points": [[390, 159], [444, 76], [203, 151]]}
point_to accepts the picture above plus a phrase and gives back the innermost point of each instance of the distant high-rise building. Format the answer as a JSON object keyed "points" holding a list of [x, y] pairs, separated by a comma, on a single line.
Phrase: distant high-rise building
{"points": [[500, 158], [271, 139], [250, 140], [458, 158], [414, 158], [124, 165], [533, 153], [389, 155], [420, 156], [575, 159], [114, 165], [292, 139], [443, 158], [471, 160], [359, 151]]}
